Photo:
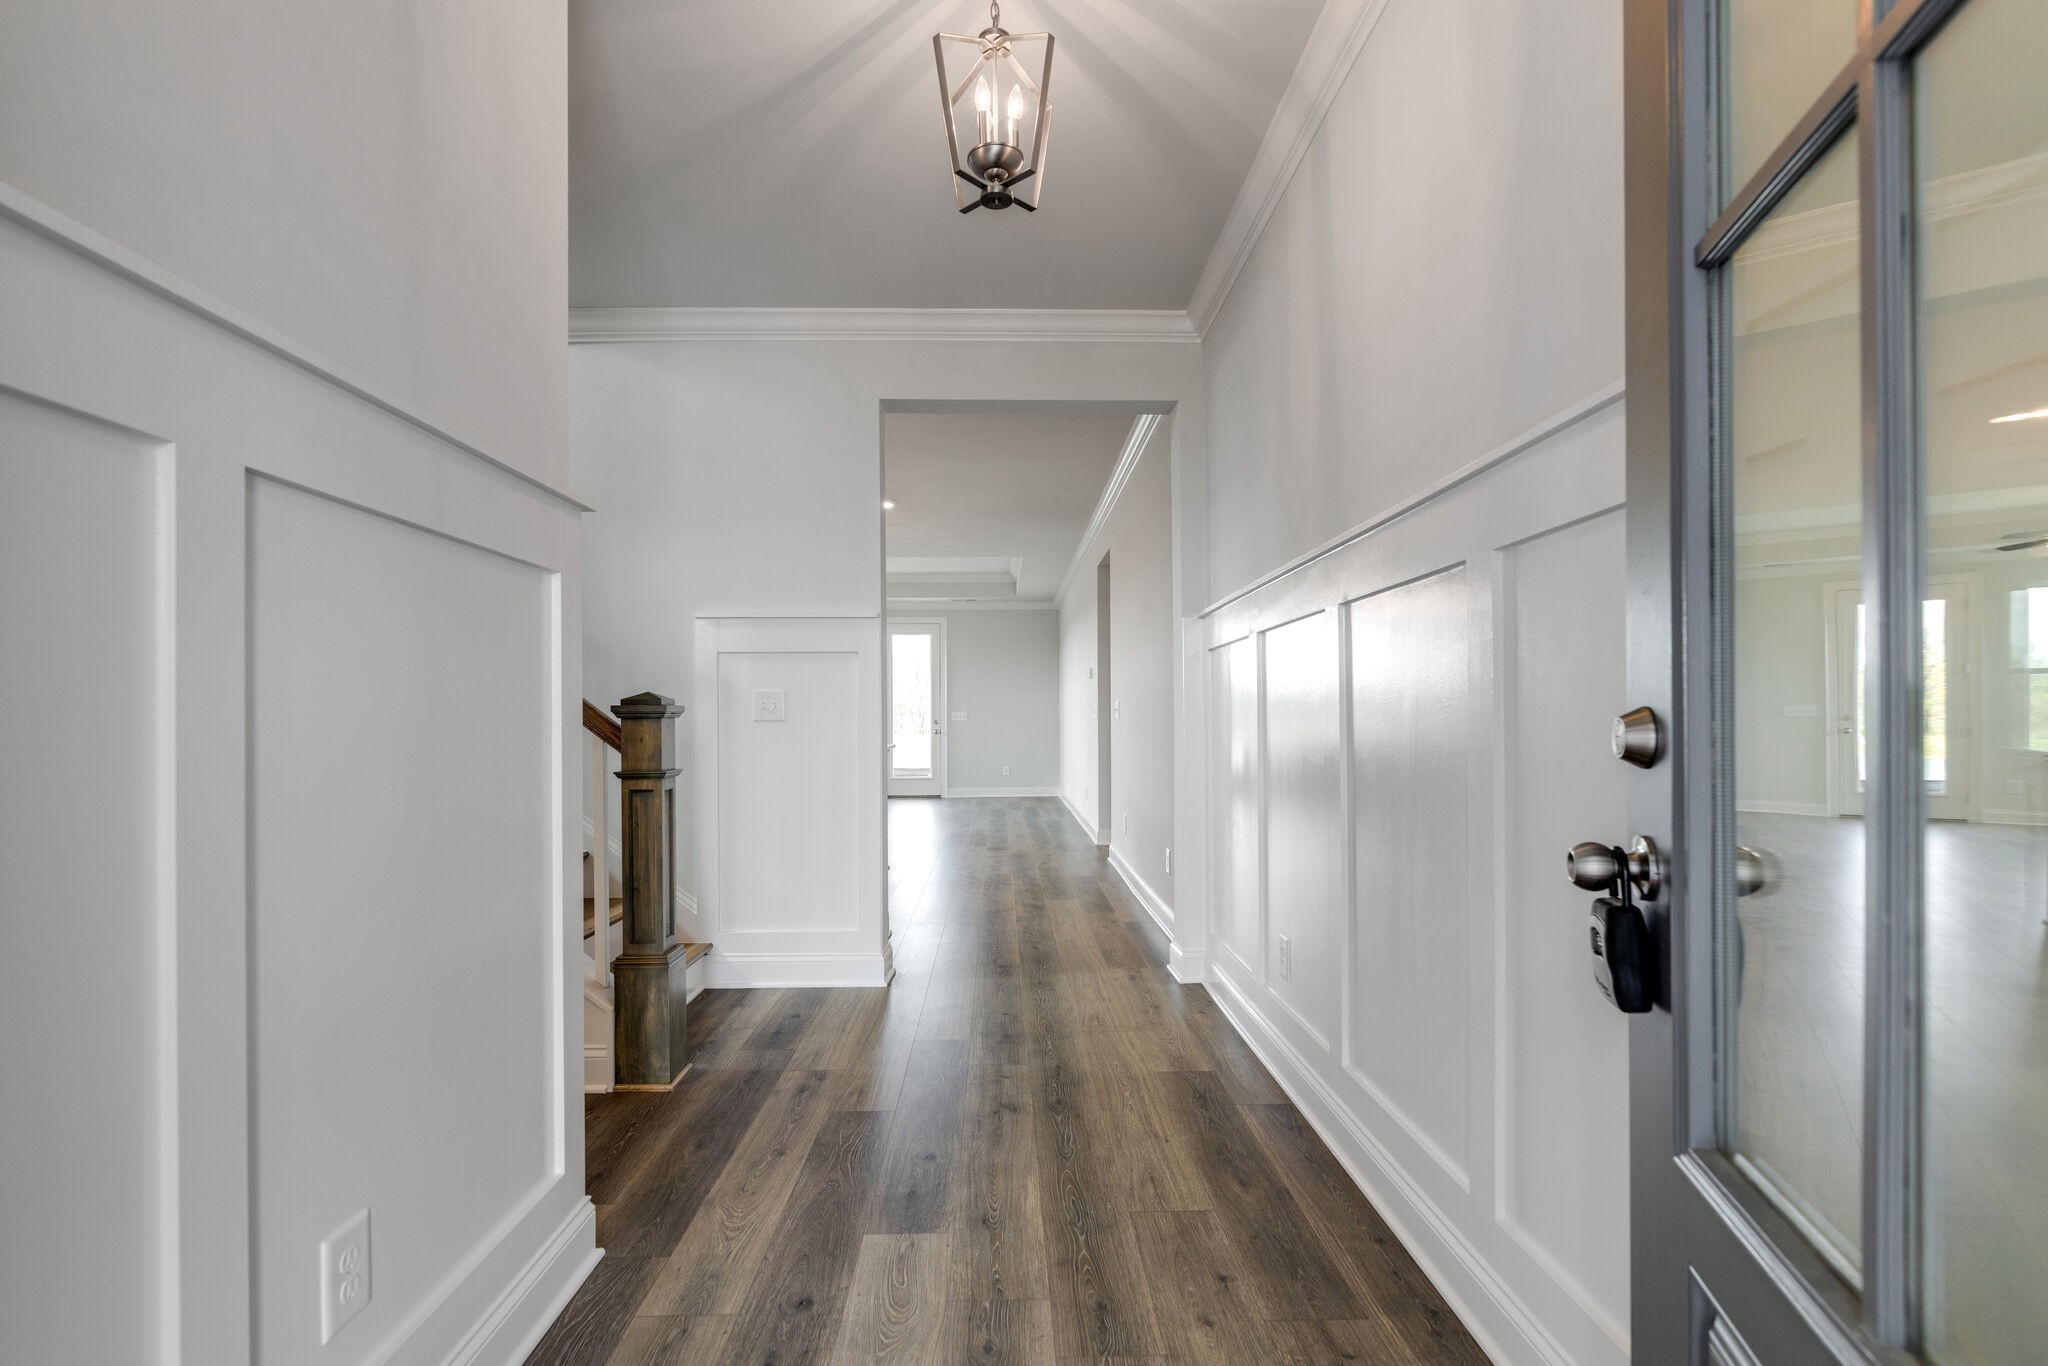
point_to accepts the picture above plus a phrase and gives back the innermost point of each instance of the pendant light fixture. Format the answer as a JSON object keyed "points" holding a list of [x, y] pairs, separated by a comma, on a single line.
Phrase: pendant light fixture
{"points": [[994, 110]]}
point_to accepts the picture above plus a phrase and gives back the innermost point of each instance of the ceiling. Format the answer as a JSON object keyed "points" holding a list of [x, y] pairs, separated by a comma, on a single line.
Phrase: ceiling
{"points": [[731, 153], [991, 505]]}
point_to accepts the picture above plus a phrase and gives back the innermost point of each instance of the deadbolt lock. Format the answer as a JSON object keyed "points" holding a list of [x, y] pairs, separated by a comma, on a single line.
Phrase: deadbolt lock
{"points": [[1638, 737]]}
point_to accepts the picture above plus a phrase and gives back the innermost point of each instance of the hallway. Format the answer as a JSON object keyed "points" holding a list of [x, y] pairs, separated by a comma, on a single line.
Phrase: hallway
{"points": [[1035, 1146]]}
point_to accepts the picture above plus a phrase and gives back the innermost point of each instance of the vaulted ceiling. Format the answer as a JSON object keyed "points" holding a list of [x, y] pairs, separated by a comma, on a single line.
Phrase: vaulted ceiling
{"points": [[740, 153]]}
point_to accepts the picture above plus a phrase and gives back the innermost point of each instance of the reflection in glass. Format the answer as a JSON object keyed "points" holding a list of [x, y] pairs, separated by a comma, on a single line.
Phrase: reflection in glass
{"points": [[910, 703], [1791, 1015], [1778, 56], [1981, 149]]}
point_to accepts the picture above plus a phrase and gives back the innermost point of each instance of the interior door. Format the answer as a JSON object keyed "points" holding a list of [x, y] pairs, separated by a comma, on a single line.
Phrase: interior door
{"points": [[1946, 652], [1837, 370], [917, 708]]}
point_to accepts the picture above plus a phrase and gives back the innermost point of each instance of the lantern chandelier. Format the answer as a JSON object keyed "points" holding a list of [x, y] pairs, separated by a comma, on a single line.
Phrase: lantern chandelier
{"points": [[991, 125]]}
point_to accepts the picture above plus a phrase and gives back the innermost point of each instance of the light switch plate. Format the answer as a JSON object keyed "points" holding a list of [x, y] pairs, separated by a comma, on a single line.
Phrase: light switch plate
{"points": [[344, 1274], [1286, 958], [771, 704]]}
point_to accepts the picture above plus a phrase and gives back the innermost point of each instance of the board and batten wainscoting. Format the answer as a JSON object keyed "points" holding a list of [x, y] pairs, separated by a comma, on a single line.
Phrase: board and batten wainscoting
{"points": [[789, 794], [1406, 733]]}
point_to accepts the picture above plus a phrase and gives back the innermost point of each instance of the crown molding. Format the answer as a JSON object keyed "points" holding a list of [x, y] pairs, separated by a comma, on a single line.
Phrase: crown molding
{"points": [[878, 324], [1333, 46], [1142, 428]]}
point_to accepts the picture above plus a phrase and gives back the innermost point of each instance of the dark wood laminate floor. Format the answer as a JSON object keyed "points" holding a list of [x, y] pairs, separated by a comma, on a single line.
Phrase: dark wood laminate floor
{"points": [[1034, 1147]]}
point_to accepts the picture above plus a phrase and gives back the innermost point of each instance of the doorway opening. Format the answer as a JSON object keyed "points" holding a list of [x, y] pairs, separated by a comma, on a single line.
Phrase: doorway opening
{"points": [[917, 707]]}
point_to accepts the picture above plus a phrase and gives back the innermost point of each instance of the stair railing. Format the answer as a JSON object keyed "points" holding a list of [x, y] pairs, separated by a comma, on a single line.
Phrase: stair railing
{"points": [[602, 751]]}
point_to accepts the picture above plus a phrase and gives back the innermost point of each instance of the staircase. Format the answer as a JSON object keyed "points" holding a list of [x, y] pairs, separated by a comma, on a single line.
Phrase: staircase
{"points": [[601, 944]]}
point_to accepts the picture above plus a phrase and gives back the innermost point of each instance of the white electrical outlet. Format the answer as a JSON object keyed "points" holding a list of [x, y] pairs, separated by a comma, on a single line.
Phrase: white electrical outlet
{"points": [[344, 1274], [1127, 822], [1006, 770], [771, 704], [1169, 860], [1116, 709], [1286, 959]]}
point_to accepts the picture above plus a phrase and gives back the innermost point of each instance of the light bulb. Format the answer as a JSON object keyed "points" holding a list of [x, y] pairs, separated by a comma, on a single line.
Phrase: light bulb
{"points": [[983, 96], [1016, 103]]}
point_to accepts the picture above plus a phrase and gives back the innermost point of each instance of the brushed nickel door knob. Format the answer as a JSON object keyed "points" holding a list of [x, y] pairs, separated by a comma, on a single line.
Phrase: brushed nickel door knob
{"points": [[1592, 866]]}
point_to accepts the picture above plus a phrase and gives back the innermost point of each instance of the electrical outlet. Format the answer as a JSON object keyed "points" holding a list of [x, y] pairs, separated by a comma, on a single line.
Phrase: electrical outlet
{"points": [[1286, 959], [1116, 709], [1169, 860], [771, 704], [344, 1274], [1127, 822], [1006, 770]]}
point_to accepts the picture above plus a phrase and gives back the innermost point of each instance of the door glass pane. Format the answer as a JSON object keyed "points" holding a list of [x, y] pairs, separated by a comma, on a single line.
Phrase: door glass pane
{"points": [[1790, 956], [1981, 152], [910, 694], [1777, 56]]}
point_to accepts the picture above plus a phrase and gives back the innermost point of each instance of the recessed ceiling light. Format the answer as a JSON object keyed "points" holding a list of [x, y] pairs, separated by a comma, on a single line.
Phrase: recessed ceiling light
{"points": [[2021, 417], [888, 506]]}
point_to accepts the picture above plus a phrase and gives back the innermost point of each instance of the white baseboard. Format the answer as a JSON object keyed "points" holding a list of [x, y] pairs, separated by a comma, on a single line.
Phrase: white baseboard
{"points": [[796, 969], [1782, 808], [1996, 817], [513, 1326], [1187, 968], [1099, 836], [1002, 792], [1154, 904], [1496, 1317]]}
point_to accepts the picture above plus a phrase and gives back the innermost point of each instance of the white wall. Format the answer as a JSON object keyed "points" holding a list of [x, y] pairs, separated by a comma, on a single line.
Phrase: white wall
{"points": [[1137, 538], [1404, 735], [1440, 275], [744, 479], [1002, 669], [385, 184], [280, 316]]}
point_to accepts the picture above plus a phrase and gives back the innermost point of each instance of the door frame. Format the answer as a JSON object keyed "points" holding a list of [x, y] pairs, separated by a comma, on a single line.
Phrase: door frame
{"points": [[938, 781], [1961, 801]]}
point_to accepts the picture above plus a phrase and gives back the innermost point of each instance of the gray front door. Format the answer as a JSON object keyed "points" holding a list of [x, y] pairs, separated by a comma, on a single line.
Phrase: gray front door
{"points": [[1838, 488]]}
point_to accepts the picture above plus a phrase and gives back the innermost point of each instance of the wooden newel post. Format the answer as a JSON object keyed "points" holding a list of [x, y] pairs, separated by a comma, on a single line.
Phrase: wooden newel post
{"points": [[648, 986]]}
